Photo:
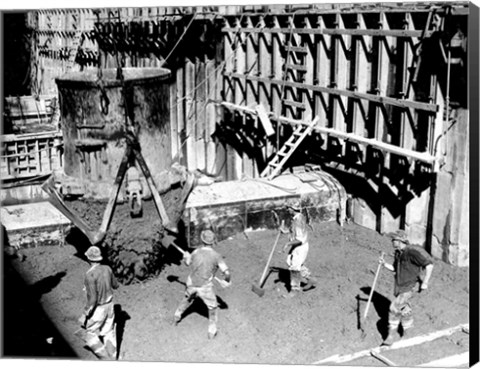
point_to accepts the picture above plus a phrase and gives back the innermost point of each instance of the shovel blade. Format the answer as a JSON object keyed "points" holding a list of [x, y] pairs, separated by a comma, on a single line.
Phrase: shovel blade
{"points": [[258, 290]]}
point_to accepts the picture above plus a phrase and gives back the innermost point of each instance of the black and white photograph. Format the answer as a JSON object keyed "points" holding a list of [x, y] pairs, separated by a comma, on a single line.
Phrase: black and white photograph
{"points": [[240, 183]]}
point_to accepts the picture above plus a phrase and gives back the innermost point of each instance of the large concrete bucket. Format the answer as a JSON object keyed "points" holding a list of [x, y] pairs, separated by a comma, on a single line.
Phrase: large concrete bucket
{"points": [[94, 112]]}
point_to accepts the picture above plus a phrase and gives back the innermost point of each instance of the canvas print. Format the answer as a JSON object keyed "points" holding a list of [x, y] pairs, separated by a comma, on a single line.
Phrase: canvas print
{"points": [[237, 184]]}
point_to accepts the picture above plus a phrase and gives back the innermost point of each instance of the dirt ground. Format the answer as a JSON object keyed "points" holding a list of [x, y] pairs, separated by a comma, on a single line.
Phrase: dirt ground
{"points": [[47, 288]]}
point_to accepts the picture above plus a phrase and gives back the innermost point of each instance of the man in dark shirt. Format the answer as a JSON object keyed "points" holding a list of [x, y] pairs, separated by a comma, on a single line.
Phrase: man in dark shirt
{"points": [[409, 264], [98, 317], [204, 263]]}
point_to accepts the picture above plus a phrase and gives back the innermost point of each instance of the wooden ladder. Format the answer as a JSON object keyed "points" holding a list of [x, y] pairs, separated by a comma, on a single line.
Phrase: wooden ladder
{"points": [[275, 165], [295, 70]]}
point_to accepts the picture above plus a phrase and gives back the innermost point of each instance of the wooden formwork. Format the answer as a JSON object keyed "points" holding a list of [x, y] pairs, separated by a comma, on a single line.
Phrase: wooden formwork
{"points": [[383, 79], [29, 155], [29, 114]]}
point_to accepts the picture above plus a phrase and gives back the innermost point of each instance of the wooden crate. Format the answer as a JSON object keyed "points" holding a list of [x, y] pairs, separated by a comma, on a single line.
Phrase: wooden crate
{"points": [[28, 114], [29, 155]]}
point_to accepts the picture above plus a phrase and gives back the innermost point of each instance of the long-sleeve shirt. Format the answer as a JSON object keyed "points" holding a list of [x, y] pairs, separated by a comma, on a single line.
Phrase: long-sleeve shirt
{"points": [[99, 285]]}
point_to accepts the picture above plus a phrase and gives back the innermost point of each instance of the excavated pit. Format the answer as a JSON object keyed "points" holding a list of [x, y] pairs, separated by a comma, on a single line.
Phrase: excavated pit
{"points": [[132, 246]]}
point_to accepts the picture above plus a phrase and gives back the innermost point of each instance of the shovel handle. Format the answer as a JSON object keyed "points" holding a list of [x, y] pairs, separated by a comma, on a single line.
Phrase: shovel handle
{"points": [[269, 259], [373, 288]]}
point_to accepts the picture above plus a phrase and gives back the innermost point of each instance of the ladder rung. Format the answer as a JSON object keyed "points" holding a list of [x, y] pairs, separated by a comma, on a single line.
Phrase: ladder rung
{"points": [[295, 104], [297, 49], [299, 67]]}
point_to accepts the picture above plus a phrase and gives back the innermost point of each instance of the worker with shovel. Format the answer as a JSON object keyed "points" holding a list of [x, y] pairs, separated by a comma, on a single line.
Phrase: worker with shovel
{"points": [[410, 263], [204, 263], [298, 253], [98, 320]]}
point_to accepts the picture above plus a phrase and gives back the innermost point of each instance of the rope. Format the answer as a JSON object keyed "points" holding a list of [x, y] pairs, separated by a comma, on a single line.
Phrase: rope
{"points": [[203, 82], [179, 40]]}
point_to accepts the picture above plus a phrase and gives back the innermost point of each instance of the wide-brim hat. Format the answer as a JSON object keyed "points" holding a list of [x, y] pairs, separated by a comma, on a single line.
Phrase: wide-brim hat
{"points": [[93, 254], [400, 235], [208, 237]]}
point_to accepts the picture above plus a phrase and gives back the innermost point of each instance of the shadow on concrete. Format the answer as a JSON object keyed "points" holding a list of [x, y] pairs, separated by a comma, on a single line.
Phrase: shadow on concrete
{"points": [[27, 330]]}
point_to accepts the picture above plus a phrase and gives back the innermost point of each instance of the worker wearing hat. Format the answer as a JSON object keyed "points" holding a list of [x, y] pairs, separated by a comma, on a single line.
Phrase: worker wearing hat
{"points": [[298, 252], [204, 262], [411, 264], [98, 318]]}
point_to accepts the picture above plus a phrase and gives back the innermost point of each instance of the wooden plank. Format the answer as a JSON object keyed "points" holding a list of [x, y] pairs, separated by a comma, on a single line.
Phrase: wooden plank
{"points": [[267, 125], [321, 75], [190, 114], [331, 31], [308, 60], [424, 157], [454, 361], [405, 104], [251, 92], [236, 163], [382, 358], [210, 116], [409, 342]]}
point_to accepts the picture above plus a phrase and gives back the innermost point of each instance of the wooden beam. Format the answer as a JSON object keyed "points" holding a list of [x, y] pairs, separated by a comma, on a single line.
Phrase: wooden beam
{"points": [[396, 345], [382, 358], [331, 31], [359, 95], [423, 157], [374, 8], [454, 361]]}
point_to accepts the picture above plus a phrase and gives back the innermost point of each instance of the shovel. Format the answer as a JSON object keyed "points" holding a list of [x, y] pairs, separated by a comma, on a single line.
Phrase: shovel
{"points": [[258, 288], [373, 288], [223, 283]]}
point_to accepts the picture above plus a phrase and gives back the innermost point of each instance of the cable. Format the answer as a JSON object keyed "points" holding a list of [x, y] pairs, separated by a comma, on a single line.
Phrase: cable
{"points": [[203, 82], [179, 40]]}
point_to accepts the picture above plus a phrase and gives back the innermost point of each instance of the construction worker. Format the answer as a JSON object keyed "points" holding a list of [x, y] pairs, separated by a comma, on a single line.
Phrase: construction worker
{"points": [[410, 264], [134, 189], [298, 253], [204, 263], [98, 318]]}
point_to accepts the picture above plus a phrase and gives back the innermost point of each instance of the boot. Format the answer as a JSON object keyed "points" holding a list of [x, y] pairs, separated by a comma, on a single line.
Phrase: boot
{"points": [[390, 338], [310, 285], [176, 319], [290, 295], [212, 323]]}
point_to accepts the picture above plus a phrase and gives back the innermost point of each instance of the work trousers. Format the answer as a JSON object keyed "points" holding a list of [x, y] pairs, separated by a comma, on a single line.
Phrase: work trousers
{"points": [[298, 271], [297, 277], [101, 333], [401, 311], [207, 294]]}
